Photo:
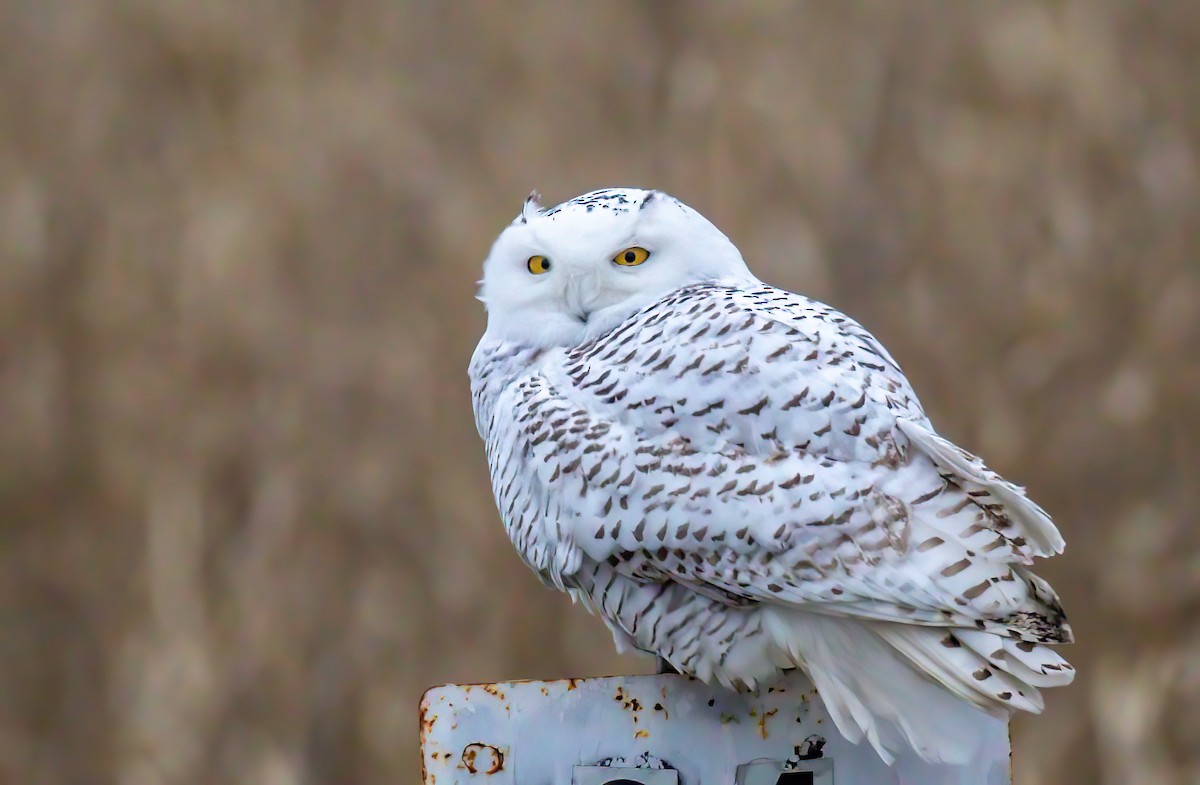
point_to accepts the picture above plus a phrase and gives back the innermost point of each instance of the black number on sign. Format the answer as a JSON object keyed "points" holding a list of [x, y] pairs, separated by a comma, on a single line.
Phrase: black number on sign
{"points": [[795, 778]]}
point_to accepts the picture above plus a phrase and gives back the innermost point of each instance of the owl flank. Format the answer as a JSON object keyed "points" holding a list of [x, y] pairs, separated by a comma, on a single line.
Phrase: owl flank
{"points": [[740, 480]]}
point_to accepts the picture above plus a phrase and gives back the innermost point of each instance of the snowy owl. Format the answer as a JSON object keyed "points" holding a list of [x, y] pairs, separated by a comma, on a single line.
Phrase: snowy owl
{"points": [[740, 480]]}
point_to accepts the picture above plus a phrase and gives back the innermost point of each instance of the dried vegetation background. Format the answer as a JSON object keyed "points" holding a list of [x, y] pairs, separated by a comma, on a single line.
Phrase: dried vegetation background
{"points": [[244, 515]]}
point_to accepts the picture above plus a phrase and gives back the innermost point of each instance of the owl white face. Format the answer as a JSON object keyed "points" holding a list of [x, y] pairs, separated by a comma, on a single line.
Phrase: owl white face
{"points": [[560, 276]]}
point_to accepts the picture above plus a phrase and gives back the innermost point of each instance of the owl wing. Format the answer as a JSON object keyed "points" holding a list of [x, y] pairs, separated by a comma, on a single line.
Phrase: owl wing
{"points": [[757, 446]]}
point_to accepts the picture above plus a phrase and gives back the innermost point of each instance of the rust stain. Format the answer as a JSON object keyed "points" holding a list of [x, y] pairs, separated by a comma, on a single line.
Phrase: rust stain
{"points": [[479, 757], [762, 721], [426, 721], [628, 702], [642, 734], [493, 690], [545, 691], [572, 684]]}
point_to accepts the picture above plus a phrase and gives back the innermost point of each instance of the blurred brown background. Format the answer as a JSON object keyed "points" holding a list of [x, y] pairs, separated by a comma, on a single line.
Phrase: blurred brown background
{"points": [[244, 515]]}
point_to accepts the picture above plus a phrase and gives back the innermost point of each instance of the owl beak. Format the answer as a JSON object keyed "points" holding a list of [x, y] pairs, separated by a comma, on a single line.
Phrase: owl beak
{"points": [[580, 293]]}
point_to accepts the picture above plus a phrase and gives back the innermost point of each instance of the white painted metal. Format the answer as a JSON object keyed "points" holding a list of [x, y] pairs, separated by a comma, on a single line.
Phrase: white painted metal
{"points": [[558, 732]]}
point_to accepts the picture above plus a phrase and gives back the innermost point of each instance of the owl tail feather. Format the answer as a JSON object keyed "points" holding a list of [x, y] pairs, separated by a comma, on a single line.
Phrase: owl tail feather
{"points": [[880, 685]]}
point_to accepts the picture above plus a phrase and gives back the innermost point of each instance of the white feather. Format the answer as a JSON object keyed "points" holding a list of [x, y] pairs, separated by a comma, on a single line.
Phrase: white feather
{"points": [[871, 693]]}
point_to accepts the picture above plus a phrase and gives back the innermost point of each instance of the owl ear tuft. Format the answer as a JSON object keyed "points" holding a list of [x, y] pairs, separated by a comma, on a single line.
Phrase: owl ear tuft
{"points": [[532, 206]]}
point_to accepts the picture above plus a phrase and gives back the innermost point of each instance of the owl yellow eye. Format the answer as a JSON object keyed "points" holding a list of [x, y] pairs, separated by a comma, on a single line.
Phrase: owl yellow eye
{"points": [[538, 265], [632, 257]]}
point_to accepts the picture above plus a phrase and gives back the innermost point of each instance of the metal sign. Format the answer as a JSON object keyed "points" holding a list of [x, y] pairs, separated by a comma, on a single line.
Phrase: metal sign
{"points": [[664, 730]]}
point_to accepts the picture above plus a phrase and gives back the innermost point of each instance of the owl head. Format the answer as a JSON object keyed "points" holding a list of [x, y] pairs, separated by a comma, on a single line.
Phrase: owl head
{"points": [[559, 276]]}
